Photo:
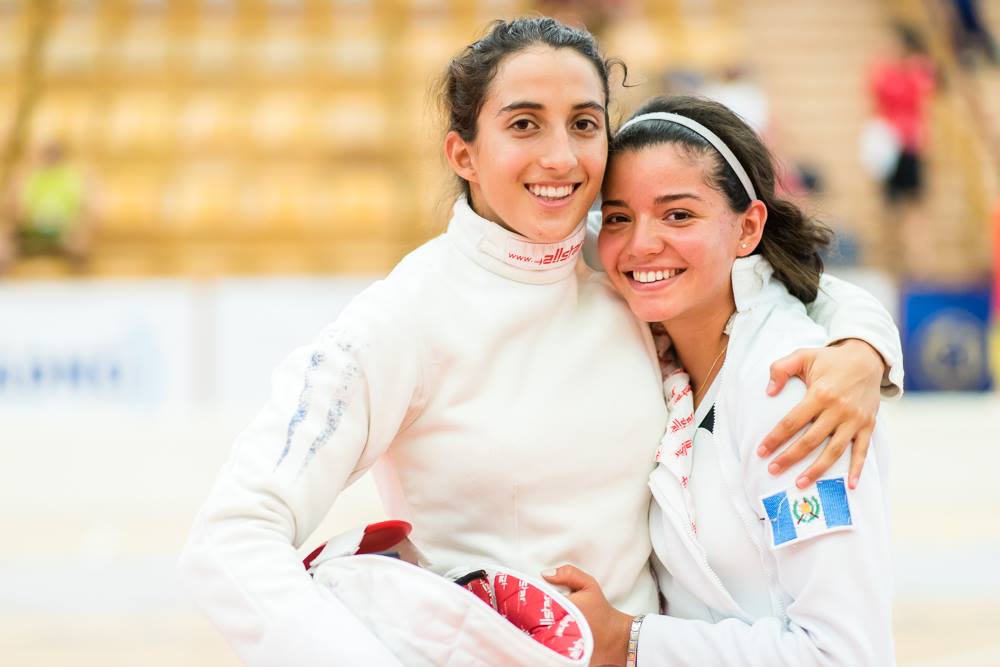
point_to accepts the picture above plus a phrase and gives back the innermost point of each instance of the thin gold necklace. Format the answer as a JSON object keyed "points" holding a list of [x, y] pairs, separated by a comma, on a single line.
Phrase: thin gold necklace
{"points": [[708, 376]]}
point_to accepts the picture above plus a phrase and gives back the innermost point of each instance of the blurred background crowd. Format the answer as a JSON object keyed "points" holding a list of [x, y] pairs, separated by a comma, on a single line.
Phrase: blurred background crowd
{"points": [[215, 136], [189, 188]]}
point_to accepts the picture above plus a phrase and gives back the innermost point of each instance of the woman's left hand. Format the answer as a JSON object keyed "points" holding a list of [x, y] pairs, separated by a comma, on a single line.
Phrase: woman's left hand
{"points": [[610, 627], [844, 384]]}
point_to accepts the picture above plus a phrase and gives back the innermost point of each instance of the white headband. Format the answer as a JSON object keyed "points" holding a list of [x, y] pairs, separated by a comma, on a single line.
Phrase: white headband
{"points": [[709, 136]]}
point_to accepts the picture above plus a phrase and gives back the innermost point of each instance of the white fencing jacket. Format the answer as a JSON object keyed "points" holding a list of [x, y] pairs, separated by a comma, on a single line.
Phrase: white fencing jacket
{"points": [[754, 571], [513, 405]]}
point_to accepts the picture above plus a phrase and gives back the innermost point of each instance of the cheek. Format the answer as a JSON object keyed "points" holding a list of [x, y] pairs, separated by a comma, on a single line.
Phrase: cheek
{"points": [[499, 164], [714, 260], [595, 160], [608, 250]]}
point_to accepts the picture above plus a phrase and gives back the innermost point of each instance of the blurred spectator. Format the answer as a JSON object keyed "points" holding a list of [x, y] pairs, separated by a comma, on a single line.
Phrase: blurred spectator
{"points": [[50, 208], [901, 83], [970, 34]]}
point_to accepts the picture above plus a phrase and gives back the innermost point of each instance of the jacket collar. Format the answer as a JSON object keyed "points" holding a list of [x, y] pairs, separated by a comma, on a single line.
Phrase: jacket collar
{"points": [[511, 255], [752, 282]]}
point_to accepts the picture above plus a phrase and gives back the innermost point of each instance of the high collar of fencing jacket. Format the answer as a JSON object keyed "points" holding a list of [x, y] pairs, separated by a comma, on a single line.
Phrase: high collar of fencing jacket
{"points": [[511, 255], [752, 283]]}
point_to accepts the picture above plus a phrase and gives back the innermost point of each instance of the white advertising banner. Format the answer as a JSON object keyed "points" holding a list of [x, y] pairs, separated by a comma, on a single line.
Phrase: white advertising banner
{"points": [[96, 343], [147, 345]]}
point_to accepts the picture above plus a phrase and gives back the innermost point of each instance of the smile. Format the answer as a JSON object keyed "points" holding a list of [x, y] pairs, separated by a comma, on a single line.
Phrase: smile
{"points": [[552, 194], [650, 277]]}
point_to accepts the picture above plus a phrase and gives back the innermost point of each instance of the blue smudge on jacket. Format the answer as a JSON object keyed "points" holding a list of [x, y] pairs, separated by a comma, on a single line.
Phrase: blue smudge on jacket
{"points": [[302, 409]]}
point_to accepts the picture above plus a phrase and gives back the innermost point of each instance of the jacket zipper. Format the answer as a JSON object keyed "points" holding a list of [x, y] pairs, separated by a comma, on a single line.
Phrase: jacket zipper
{"points": [[695, 547]]}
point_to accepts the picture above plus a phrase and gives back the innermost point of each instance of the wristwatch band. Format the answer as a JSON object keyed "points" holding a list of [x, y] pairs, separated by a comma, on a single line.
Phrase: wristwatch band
{"points": [[632, 657]]}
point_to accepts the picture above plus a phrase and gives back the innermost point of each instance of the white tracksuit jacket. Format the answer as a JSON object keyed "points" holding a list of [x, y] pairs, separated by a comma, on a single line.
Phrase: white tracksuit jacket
{"points": [[513, 406], [733, 597]]}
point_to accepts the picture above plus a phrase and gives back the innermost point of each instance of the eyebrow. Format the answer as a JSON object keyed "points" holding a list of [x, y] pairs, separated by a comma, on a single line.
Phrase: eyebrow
{"points": [[662, 199], [524, 104], [666, 199]]}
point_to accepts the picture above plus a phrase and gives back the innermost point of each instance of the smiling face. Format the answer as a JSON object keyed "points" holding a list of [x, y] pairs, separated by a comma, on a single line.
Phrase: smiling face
{"points": [[540, 150], [669, 239]]}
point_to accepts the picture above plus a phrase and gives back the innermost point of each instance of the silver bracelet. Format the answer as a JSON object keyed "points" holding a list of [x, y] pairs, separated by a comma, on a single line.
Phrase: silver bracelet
{"points": [[633, 641]]}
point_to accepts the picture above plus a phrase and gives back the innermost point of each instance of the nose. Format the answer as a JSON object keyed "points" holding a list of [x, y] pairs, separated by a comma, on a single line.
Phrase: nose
{"points": [[560, 153], [646, 239]]}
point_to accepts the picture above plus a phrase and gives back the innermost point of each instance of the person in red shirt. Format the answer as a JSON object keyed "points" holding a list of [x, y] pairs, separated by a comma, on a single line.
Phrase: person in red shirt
{"points": [[901, 85]]}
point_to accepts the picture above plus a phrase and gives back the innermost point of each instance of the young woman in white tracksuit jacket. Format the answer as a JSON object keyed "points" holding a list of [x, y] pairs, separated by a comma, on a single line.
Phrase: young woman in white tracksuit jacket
{"points": [[822, 594], [506, 399], [753, 569]]}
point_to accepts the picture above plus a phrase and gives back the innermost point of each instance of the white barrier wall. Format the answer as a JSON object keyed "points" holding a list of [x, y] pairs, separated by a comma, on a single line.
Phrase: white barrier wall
{"points": [[174, 344], [96, 343]]}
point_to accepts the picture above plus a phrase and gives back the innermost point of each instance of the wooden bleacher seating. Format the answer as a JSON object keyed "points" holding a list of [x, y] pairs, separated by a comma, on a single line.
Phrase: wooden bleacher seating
{"points": [[300, 135]]}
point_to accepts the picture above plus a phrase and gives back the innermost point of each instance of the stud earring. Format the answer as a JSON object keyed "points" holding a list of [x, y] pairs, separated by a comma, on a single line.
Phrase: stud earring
{"points": [[744, 245]]}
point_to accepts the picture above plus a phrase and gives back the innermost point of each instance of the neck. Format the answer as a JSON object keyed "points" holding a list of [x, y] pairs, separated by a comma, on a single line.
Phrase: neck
{"points": [[698, 339]]}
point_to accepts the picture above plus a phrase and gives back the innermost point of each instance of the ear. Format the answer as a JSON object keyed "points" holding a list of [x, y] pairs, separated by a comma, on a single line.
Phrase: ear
{"points": [[458, 152], [752, 228]]}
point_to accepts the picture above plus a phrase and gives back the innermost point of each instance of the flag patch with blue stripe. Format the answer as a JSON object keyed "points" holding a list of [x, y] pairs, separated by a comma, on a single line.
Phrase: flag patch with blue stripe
{"points": [[798, 514]]}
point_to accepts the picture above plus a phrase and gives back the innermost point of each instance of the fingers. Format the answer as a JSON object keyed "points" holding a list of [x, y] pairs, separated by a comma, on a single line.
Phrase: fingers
{"points": [[784, 368], [831, 454], [858, 453], [570, 576], [821, 429], [790, 424]]}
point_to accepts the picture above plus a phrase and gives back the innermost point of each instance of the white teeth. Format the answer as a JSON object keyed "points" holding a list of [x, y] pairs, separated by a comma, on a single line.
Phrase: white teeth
{"points": [[654, 276], [551, 192]]}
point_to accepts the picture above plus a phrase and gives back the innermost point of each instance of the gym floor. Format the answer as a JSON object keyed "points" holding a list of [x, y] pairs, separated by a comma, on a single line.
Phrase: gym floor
{"points": [[97, 506]]}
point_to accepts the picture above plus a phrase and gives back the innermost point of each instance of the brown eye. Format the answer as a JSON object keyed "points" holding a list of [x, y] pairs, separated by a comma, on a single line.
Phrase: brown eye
{"points": [[522, 124], [585, 125]]}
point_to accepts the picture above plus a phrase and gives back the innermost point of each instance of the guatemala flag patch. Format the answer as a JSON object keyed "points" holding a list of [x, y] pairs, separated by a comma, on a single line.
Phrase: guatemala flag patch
{"points": [[798, 514]]}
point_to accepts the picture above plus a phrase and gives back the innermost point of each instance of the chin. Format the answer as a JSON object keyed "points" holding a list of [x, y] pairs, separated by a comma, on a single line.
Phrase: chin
{"points": [[647, 313], [652, 311], [566, 220], [556, 232]]}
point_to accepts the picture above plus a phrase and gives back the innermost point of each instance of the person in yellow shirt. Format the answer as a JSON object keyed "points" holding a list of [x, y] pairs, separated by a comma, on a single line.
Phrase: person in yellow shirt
{"points": [[51, 210]]}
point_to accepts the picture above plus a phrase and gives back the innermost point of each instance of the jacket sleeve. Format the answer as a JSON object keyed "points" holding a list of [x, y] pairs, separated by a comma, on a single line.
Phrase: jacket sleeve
{"points": [[335, 407], [847, 311], [834, 586]]}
